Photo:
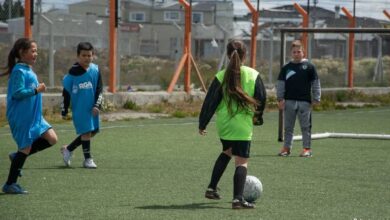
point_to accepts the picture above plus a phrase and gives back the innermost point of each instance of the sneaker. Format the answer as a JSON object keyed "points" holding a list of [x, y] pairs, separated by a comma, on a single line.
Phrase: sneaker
{"points": [[284, 152], [306, 153], [13, 189], [66, 155], [242, 204], [212, 194], [11, 156], [88, 163]]}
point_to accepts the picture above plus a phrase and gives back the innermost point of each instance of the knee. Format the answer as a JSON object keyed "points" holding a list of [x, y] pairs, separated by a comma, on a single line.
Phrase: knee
{"points": [[53, 139]]}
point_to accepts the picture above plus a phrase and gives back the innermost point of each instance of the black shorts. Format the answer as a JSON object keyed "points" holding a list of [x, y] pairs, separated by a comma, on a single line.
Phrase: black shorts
{"points": [[239, 148]]}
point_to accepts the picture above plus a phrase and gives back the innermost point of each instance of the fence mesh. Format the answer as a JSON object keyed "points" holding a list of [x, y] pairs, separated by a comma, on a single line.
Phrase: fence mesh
{"points": [[148, 52]]}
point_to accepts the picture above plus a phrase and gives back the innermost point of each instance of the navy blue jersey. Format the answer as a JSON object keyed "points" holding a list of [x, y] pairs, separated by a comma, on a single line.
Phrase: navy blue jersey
{"points": [[81, 85], [24, 106], [298, 78]]}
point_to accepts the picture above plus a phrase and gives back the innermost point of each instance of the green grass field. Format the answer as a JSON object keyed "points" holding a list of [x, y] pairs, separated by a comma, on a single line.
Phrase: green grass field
{"points": [[159, 169]]}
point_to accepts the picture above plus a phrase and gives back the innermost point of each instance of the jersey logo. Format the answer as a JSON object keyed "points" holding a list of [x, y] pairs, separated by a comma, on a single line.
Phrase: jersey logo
{"points": [[80, 86], [304, 66], [290, 73], [85, 85]]}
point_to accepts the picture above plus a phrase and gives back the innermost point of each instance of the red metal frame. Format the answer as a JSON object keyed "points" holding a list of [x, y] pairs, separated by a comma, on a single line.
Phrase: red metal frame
{"points": [[113, 47], [386, 13], [254, 30], [186, 58], [305, 24], [27, 19], [351, 46]]}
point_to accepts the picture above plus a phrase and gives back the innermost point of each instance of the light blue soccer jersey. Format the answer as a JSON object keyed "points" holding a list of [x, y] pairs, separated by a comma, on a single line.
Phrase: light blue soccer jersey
{"points": [[82, 90], [24, 108]]}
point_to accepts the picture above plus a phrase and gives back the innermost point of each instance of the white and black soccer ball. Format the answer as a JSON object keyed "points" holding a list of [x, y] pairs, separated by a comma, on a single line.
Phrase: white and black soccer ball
{"points": [[253, 189]]}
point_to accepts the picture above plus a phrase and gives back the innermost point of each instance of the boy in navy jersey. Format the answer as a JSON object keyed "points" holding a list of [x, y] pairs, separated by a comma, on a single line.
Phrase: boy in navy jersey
{"points": [[83, 89], [298, 88]]}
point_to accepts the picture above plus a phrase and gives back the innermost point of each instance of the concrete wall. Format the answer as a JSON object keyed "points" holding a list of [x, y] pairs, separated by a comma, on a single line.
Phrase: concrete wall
{"points": [[53, 100]]}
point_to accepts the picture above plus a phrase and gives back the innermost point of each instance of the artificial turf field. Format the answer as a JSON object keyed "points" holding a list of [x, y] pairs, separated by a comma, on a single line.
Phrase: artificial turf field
{"points": [[159, 169]]}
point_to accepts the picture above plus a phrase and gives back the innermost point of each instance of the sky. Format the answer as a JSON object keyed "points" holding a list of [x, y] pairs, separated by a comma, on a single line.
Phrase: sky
{"points": [[364, 8]]}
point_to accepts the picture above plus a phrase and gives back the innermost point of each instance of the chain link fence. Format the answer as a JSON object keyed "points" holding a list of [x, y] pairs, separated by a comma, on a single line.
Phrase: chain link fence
{"points": [[148, 52]]}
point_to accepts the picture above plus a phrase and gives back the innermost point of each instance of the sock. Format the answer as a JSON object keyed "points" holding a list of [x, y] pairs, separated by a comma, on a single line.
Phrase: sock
{"points": [[239, 182], [16, 166], [75, 143], [219, 167], [86, 148], [38, 145]]}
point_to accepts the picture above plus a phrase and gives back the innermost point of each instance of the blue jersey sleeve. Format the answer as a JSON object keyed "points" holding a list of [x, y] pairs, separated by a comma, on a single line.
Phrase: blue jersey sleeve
{"points": [[19, 86]]}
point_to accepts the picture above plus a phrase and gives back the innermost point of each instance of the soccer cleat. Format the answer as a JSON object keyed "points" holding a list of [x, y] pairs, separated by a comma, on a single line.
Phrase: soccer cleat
{"points": [[284, 152], [212, 194], [66, 155], [88, 163], [13, 189], [306, 153], [242, 204], [11, 156]]}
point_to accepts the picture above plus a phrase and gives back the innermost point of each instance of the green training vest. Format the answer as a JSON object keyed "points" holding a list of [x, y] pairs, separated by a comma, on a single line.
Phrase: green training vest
{"points": [[240, 126]]}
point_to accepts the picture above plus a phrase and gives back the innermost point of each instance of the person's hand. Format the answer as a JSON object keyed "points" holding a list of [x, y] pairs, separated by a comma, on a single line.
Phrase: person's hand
{"points": [[95, 111], [202, 132], [315, 103], [41, 87], [281, 104], [258, 121]]}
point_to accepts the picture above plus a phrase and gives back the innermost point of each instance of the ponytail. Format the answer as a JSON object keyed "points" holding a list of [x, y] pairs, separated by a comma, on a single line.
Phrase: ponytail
{"points": [[21, 45], [231, 83]]}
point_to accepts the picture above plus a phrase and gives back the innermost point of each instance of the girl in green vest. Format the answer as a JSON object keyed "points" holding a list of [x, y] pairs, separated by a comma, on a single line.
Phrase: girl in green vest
{"points": [[237, 96]]}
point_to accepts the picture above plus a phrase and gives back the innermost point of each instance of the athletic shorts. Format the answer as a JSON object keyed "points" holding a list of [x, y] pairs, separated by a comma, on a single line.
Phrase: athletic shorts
{"points": [[239, 148]]}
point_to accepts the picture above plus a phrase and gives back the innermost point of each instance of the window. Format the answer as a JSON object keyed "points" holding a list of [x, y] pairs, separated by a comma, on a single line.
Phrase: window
{"points": [[137, 16], [197, 17], [171, 16]]}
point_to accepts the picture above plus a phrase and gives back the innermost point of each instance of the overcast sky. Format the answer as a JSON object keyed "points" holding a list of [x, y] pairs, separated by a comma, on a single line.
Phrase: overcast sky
{"points": [[364, 8]]}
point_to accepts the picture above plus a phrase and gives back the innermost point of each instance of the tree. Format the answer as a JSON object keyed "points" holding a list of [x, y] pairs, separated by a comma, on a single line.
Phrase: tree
{"points": [[17, 10]]}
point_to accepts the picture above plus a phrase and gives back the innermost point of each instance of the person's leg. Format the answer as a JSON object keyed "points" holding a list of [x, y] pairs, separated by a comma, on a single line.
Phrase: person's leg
{"points": [[11, 187], [218, 170], [241, 151], [290, 113], [304, 117], [86, 145], [47, 139]]}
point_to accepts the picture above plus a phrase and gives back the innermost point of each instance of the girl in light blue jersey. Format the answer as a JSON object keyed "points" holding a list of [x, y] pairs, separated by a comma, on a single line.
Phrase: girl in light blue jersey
{"points": [[24, 110], [83, 89]]}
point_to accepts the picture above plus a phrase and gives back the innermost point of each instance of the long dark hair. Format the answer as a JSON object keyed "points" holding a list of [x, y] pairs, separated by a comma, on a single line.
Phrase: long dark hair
{"points": [[231, 83], [20, 46]]}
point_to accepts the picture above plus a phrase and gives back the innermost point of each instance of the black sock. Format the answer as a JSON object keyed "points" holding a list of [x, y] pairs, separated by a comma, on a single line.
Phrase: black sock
{"points": [[16, 166], [86, 148], [75, 143], [239, 182], [219, 167], [38, 145]]}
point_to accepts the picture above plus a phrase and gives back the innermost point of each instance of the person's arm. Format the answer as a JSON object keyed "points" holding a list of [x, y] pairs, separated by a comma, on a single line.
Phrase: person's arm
{"points": [[261, 96], [280, 89], [19, 89], [210, 104], [315, 87], [316, 90], [99, 93], [65, 102]]}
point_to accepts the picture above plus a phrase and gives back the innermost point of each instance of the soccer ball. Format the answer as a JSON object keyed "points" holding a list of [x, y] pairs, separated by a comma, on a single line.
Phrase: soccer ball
{"points": [[253, 189]]}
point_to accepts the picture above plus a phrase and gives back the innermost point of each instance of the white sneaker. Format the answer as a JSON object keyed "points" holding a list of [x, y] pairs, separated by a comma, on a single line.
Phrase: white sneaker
{"points": [[88, 163], [66, 155]]}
